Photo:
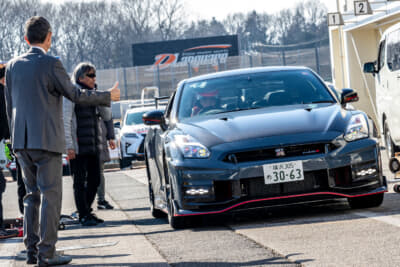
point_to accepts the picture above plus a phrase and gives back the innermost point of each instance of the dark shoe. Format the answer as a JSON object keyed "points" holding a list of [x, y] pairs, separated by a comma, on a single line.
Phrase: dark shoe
{"points": [[97, 219], [104, 205], [56, 260], [88, 220], [31, 258]]}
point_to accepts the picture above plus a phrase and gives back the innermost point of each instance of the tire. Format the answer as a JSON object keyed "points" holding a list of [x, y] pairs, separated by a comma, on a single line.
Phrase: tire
{"points": [[174, 222], [390, 146], [125, 162], [396, 188], [366, 201], [156, 213]]}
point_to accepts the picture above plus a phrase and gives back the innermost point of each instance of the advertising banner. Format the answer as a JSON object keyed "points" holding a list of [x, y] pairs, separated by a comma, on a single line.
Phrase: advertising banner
{"points": [[198, 51]]}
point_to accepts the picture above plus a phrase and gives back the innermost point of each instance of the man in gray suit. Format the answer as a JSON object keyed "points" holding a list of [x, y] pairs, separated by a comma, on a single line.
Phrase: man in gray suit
{"points": [[35, 86]]}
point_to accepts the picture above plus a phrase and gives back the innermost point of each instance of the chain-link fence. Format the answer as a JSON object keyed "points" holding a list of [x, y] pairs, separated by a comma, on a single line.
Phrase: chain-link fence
{"points": [[133, 79]]}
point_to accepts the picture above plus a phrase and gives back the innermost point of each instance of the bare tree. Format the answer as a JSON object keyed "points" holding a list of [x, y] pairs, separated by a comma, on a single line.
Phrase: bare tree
{"points": [[169, 18]]}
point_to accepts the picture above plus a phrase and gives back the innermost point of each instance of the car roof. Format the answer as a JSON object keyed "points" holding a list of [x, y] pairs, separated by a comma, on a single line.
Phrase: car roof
{"points": [[389, 30], [243, 71]]}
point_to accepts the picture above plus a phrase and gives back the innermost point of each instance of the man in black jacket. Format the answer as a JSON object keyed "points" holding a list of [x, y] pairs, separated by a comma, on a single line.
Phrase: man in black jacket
{"points": [[84, 144]]}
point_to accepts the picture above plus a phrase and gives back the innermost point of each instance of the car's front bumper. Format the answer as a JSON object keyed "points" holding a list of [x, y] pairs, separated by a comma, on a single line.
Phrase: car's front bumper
{"points": [[222, 187]]}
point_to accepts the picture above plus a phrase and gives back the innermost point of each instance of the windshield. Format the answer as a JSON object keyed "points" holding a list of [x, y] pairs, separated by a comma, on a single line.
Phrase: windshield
{"points": [[249, 91], [134, 118]]}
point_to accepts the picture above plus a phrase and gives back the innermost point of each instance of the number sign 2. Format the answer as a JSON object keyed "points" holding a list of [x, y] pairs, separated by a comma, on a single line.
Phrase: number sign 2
{"points": [[362, 7]]}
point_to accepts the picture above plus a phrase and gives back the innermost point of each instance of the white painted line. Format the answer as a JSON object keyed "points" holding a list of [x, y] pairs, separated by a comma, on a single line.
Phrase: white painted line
{"points": [[380, 217], [8, 248], [140, 178]]}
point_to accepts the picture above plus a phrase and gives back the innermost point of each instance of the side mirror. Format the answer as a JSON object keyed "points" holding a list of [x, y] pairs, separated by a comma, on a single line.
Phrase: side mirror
{"points": [[370, 68], [117, 125], [155, 117], [348, 95]]}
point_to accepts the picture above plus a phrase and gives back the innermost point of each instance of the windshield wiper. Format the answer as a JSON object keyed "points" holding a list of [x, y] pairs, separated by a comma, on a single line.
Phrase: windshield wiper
{"points": [[238, 109], [320, 101]]}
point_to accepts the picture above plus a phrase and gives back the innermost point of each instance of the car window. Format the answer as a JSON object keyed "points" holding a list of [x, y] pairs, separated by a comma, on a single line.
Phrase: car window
{"points": [[134, 118], [169, 106], [393, 51], [248, 91]]}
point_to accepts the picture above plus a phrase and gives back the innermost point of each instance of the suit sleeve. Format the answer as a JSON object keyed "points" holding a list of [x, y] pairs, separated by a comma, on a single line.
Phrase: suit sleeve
{"points": [[8, 100], [68, 114], [65, 87]]}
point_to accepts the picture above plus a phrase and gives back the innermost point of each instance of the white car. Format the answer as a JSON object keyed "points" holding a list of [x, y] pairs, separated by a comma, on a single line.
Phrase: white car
{"points": [[132, 135], [386, 71]]}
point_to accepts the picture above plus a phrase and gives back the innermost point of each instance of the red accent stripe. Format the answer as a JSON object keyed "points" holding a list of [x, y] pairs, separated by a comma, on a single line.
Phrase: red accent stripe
{"points": [[274, 198], [151, 120], [208, 46]]}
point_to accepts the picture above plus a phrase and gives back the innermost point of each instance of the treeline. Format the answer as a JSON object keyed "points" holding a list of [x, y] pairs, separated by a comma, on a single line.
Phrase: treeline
{"points": [[102, 32]]}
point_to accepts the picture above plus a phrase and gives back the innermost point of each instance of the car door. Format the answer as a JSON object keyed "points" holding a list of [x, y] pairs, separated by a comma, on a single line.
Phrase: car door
{"points": [[381, 80], [161, 137], [389, 96]]}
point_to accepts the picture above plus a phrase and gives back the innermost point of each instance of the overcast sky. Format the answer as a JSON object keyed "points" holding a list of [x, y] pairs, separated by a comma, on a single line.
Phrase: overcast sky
{"points": [[206, 9]]}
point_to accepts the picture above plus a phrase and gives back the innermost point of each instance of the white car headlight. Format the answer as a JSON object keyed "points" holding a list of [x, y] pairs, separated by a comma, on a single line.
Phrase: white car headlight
{"points": [[357, 128], [190, 147]]}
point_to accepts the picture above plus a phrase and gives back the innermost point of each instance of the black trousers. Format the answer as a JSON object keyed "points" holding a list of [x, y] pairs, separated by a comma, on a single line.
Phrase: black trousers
{"points": [[2, 189], [85, 171]]}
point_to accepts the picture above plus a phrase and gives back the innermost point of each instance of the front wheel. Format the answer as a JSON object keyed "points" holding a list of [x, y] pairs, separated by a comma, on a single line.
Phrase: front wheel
{"points": [[366, 201], [175, 222], [125, 162], [156, 213]]}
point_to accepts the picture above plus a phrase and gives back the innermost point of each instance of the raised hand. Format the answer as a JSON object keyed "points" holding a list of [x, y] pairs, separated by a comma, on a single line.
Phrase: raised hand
{"points": [[115, 92]]}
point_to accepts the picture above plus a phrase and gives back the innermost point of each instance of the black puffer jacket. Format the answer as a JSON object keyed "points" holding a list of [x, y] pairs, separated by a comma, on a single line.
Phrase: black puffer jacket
{"points": [[4, 131], [89, 130]]}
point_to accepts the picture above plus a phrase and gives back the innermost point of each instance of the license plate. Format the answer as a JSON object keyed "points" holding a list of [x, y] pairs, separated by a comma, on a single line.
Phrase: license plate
{"points": [[283, 172]]}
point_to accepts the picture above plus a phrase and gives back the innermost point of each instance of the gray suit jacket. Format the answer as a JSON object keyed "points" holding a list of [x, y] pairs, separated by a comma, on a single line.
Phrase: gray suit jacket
{"points": [[35, 86]]}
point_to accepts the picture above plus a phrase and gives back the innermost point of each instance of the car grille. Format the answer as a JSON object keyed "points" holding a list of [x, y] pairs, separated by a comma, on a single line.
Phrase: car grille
{"points": [[279, 152]]}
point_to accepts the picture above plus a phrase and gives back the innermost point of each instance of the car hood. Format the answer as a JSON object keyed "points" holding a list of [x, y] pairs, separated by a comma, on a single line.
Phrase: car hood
{"points": [[266, 122], [137, 128]]}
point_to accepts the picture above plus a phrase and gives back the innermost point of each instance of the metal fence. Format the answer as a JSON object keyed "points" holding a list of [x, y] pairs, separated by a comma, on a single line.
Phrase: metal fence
{"points": [[133, 79]]}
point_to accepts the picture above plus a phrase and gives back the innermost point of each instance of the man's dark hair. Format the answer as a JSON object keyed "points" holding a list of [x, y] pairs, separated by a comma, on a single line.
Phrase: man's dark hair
{"points": [[81, 70], [36, 29]]}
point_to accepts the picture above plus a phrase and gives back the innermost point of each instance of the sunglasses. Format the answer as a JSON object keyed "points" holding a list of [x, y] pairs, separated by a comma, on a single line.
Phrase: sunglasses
{"points": [[91, 75]]}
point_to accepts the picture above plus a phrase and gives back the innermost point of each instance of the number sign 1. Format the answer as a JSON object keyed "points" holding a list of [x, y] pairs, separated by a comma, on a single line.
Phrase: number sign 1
{"points": [[335, 19]]}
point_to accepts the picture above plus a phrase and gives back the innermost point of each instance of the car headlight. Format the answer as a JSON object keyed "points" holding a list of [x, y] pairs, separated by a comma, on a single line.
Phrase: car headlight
{"points": [[190, 147], [357, 128]]}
